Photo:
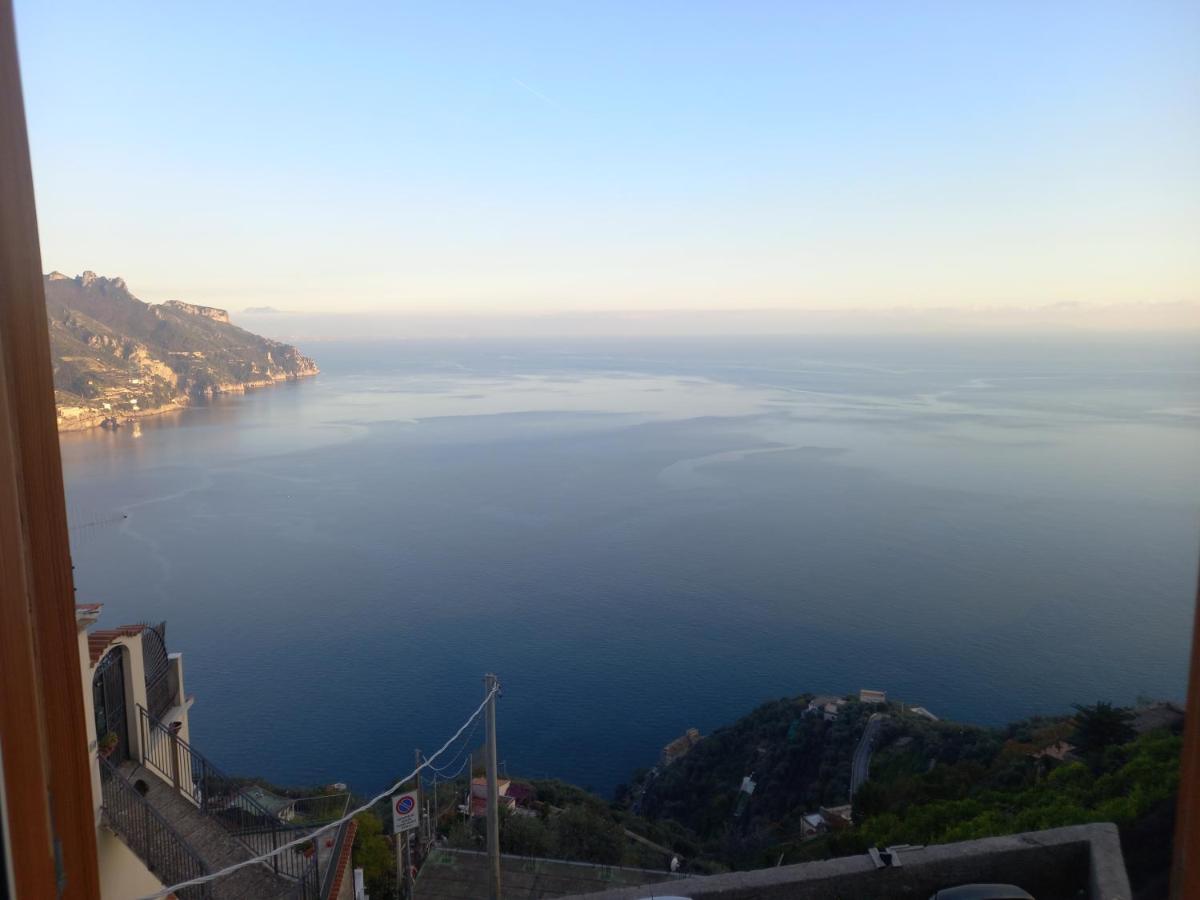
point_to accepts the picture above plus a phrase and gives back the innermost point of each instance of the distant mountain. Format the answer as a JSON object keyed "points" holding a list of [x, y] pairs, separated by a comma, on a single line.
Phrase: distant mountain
{"points": [[116, 357], [261, 311]]}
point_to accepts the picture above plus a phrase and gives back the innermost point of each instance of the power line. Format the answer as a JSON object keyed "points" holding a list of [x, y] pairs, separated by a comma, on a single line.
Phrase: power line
{"points": [[447, 778], [465, 745], [312, 835]]}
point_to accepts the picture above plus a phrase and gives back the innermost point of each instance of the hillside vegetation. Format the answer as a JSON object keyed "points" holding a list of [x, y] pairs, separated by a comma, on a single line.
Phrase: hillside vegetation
{"points": [[116, 357], [930, 782]]}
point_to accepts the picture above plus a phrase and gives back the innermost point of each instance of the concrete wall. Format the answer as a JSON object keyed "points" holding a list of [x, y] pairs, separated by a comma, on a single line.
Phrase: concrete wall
{"points": [[1060, 862], [122, 874], [175, 679], [89, 716]]}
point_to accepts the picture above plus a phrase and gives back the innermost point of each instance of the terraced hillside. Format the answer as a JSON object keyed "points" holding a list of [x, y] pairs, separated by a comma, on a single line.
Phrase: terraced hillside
{"points": [[116, 357]]}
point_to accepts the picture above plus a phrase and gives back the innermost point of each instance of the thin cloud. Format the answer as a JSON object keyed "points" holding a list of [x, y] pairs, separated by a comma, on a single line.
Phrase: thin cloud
{"points": [[519, 83]]}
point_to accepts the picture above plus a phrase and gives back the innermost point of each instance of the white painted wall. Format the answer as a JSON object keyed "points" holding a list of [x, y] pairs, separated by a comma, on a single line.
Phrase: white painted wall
{"points": [[122, 874]]}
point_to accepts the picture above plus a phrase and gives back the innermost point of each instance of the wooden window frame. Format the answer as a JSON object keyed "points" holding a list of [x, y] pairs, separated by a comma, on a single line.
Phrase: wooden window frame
{"points": [[49, 818]]}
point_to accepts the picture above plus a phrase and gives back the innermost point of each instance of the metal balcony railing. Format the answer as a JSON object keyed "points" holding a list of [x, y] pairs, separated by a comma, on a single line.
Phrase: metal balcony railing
{"points": [[227, 800], [164, 851]]}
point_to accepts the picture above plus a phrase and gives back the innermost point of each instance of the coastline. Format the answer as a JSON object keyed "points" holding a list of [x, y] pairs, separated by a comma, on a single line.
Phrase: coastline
{"points": [[93, 418]]}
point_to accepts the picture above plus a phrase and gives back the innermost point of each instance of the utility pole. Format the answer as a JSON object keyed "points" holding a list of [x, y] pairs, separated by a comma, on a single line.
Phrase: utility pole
{"points": [[434, 818], [493, 791], [400, 862], [408, 865], [408, 835], [422, 819]]}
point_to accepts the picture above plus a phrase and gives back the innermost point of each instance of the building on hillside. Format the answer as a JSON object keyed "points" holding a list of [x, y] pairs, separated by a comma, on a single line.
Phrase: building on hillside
{"points": [[150, 787], [1161, 714], [826, 706], [124, 671], [837, 817], [745, 791], [479, 796], [521, 793], [680, 747], [867, 696], [812, 825], [1059, 750]]}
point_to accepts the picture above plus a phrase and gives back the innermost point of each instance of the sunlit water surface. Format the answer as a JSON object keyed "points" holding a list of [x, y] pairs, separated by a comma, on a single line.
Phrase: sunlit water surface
{"points": [[641, 537]]}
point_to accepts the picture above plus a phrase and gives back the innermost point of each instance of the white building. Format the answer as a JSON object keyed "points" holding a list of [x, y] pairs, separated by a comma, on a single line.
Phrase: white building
{"points": [[150, 787], [116, 688]]}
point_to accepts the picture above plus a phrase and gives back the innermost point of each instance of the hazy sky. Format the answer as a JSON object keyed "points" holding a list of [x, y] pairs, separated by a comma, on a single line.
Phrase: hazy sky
{"points": [[522, 157]]}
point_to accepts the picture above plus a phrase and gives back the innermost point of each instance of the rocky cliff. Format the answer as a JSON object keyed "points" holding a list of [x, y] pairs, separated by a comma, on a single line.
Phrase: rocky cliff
{"points": [[206, 312], [116, 357]]}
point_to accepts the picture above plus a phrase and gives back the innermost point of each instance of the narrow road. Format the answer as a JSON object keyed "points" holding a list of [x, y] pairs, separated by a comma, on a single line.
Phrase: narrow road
{"points": [[860, 766]]}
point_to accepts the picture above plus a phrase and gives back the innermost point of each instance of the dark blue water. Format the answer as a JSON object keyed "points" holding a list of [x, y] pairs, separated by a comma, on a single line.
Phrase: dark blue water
{"points": [[640, 537]]}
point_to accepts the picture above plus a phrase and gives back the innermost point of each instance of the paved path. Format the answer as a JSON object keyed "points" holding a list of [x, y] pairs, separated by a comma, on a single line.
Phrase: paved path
{"points": [[860, 766], [216, 846]]}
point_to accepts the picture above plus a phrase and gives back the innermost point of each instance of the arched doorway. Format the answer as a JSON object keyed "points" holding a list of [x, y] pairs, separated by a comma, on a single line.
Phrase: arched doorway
{"points": [[108, 696]]}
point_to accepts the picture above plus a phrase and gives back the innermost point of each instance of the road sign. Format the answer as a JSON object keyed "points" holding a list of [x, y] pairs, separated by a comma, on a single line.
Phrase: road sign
{"points": [[406, 815]]}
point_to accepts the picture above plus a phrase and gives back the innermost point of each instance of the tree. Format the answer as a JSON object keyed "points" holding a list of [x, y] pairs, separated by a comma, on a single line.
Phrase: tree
{"points": [[588, 837], [1101, 726], [373, 855], [524, 835]]}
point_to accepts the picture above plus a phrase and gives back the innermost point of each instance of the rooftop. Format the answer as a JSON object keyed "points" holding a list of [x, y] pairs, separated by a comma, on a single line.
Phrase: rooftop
{"points": [[1162, 714], [102, 638], [1080, 861], [463, 875]]}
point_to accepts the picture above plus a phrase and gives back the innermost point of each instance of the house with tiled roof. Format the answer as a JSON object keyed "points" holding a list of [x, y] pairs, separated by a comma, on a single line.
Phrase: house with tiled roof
{"points": [[478, 807], [680, 747]]}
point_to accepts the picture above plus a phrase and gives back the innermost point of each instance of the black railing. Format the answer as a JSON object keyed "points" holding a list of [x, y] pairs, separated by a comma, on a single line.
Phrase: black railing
{"points": [[229, 801], [319, 809], [149, 835], [308, 883], [159, 695], [157, 664]]}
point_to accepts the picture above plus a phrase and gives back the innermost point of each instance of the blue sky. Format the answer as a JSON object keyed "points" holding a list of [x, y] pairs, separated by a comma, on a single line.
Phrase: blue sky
{"points": [[494, 158]]}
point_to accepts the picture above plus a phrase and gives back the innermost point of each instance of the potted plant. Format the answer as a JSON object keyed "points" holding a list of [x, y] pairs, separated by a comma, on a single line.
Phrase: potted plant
{"points": [[106, 745]]}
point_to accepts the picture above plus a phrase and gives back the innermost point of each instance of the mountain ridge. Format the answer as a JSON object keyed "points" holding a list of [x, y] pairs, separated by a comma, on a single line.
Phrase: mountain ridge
{"points": [[118, 358]]}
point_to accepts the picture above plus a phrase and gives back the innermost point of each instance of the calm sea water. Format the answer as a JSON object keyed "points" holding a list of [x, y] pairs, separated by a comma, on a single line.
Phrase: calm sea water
{"points": [[640, 537]]}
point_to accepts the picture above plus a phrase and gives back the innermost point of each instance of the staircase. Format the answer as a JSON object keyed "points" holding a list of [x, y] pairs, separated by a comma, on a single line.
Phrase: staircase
{"points": [[177, 842]]}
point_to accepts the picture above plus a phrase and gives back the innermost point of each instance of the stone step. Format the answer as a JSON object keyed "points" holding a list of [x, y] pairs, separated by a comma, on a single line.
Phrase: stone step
{"points": [[210, 840]]}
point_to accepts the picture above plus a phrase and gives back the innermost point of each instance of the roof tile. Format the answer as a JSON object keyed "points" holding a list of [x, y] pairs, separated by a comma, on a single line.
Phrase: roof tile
{"points": [[343, 861], [101, 639]]}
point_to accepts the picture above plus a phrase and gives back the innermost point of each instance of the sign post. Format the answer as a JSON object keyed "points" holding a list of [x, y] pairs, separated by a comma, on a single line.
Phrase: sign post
{"points": [[406, 815]]}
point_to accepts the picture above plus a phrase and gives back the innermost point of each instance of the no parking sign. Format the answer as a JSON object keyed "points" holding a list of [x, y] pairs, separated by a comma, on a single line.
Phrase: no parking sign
{"points": [[406, 815]]}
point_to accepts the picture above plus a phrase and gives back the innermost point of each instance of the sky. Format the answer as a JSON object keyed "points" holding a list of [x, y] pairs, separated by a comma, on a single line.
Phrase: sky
{"points": [[524, 159]]}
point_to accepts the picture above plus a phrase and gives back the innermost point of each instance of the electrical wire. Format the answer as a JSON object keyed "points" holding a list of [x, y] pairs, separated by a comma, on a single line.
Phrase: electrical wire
{"points": [[446, 779], [312, 835], [438, 770]]}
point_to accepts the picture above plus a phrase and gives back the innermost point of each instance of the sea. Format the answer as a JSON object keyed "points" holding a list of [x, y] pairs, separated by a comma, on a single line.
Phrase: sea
{"points": [[643, 536]]}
